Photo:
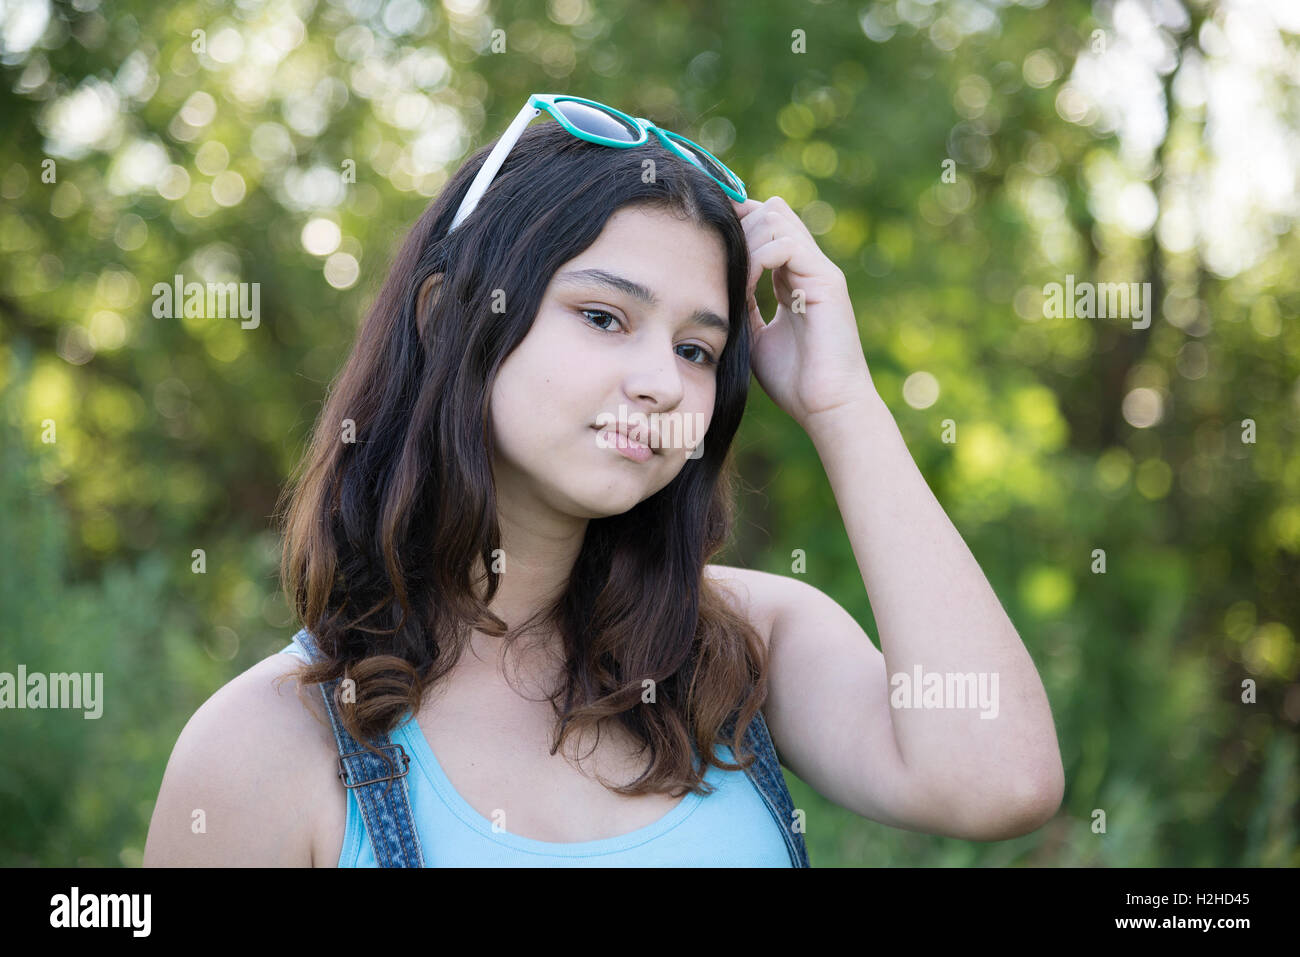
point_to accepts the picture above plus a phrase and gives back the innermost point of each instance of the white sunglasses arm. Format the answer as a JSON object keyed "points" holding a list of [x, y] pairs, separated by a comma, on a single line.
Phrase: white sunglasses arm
{"points": [[493, 163]]}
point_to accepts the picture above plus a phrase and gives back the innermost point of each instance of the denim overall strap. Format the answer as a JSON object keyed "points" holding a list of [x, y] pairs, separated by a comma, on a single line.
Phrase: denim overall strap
{"points": [[378, 784], [765, 772]]}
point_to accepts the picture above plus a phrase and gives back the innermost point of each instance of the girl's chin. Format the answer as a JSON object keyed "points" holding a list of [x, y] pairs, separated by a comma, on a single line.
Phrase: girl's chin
{"points": [[612, 499]]}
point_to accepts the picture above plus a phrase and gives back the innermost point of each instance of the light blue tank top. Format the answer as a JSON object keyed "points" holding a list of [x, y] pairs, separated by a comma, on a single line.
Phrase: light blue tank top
{"points": [[731, 827]]}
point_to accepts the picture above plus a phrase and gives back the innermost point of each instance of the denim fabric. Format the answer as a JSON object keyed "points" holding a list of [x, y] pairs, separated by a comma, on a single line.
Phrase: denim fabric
{"points": [[382, 794], [378, 783]]}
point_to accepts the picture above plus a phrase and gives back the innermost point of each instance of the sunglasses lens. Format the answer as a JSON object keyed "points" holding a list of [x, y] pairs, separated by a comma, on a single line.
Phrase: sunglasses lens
{"points": [[705, 161], [598, 122]]}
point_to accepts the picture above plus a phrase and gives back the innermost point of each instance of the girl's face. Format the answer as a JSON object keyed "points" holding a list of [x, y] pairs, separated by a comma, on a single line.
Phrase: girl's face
{"points": [[646, 336]]}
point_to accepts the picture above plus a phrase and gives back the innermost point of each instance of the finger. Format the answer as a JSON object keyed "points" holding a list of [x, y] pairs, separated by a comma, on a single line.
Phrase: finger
{"points": [[770, 255], [745, 208], [773, 219], [779, 209], [755, 317], [758, 226], [759, 231]]}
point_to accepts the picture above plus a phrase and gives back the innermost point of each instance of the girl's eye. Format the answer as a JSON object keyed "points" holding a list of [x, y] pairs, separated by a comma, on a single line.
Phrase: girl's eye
{"points": [[706, 356], [706, 359], [597, 312]]}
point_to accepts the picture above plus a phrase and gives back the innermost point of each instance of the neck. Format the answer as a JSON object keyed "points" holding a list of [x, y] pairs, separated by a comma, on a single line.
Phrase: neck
{"points": [[533, 566]]}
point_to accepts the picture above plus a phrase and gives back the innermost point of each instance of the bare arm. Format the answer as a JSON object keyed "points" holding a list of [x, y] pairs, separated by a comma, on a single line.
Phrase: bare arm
{"points": [[949, 769], [936, 611]]}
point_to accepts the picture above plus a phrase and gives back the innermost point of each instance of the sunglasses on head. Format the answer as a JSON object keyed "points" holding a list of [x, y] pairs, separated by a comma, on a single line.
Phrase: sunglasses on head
{"points": [[595, 123]]}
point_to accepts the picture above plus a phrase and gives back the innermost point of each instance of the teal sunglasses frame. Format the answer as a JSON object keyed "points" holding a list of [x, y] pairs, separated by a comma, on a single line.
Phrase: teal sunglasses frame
{"points": [[735, 187]]}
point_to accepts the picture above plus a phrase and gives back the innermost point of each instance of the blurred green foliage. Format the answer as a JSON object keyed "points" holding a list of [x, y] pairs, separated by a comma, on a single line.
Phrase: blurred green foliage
{"points": [[1072, 434]]}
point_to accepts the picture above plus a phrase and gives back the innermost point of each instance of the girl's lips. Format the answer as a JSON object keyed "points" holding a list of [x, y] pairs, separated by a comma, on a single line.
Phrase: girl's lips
{"points": [[626, 447]]}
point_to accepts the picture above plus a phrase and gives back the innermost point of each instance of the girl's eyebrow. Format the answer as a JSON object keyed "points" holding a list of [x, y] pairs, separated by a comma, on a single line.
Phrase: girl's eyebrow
{"points": [[599, 277]]}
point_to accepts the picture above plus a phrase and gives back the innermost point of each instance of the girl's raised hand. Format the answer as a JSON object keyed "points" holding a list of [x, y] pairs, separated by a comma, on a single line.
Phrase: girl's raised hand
{"points": [[808, 358]]}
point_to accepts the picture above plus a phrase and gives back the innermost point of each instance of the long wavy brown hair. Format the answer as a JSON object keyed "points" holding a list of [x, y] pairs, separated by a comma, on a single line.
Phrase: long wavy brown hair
{"points": [[383, 533]]}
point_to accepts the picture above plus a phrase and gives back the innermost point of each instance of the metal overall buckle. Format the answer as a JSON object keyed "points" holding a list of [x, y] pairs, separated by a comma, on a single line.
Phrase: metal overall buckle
{"points": [[406, 766]]}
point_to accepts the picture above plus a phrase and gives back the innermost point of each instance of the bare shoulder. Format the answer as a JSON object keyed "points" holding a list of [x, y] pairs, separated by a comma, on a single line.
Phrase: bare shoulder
{"points": [[243, 784]]}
